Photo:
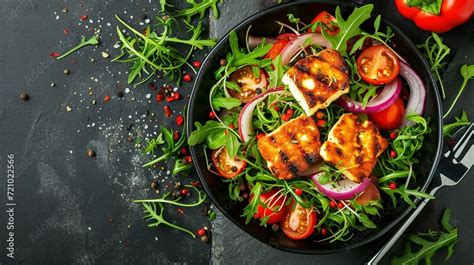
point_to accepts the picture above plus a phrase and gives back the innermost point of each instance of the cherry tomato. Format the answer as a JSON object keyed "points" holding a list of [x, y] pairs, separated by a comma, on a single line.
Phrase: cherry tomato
{"points": [[391, 117], [327, 20], [274, 209], [371, 193], [249, 84], [279, 45], [378, 65], [299, 222], [226, 166]]}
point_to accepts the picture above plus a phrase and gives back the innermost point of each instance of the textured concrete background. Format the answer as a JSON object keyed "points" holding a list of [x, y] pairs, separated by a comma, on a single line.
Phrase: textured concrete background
{"points": [[72, 209]]}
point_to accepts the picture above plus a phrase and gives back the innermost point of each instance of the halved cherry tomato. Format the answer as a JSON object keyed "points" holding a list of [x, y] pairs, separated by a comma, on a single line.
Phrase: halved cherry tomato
{"points": [[280, 44], [391, 117], [225, 165], [274, 209], [327, 20], [248, 83], [299, 223], [378, 65], [371, 193]]}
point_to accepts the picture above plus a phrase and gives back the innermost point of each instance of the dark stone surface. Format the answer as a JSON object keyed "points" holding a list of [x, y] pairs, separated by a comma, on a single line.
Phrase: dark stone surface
{"points": [[72, 209]]}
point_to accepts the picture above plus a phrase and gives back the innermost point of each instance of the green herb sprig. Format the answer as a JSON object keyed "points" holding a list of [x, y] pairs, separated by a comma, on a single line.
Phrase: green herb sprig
{"points": [[429, 243], [436, 51], [467, 73], [462, 120], [153, 52], [199, 8], [156, 215], [348, 28], [91, 41]]}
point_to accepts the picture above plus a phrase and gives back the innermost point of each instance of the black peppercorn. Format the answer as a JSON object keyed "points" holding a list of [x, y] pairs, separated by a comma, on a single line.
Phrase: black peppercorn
{"points": [[24, 96]]}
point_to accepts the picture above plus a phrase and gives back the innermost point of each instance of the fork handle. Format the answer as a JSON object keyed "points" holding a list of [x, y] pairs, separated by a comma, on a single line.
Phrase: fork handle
{"points": [[384, 249]]}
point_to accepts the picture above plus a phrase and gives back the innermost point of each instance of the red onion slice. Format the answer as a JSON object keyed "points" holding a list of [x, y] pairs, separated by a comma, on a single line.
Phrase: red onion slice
{"points": [[245, 118], [344, 189], [416, 102], [296, 45], [387, 97]]}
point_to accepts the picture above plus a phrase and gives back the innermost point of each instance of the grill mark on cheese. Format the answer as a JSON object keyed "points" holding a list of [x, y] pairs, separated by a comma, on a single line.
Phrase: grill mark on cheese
{"points": [[303, 68], [326, 78], [354, 145], [292, 148]]}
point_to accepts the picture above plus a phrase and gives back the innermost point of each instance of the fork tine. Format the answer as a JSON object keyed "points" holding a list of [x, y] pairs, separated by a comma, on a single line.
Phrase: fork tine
{"points": [[459, 147]]}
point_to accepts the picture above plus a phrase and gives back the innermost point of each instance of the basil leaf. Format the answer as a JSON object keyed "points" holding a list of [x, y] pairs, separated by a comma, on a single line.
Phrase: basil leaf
{"points": [[227, 103]]}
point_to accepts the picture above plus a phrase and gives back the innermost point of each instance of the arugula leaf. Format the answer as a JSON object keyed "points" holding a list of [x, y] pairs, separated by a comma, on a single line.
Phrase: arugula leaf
{"points": [[227, 103], [436, 51], [251, 208], [467, 72], [155, 214], [348, 28], [429, 243], [202, 131], [237, 58], [151, 52], [92, 41], [382, 37], [199, 8], [460, 121], [153, 143], [232, 144], [216, 139], [216, 135], [180, 165], [163, 5], [276, 74]]}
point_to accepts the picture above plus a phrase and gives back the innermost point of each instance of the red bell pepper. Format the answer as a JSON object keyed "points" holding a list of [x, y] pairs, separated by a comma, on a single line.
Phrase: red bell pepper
{"points": [[436, 15]]}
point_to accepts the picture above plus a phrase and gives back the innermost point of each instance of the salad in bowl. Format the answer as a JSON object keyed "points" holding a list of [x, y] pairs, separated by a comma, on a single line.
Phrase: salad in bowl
{"points": [[314, 131]]}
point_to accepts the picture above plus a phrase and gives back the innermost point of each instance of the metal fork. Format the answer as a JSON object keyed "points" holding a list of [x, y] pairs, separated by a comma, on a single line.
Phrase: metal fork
{"points": [[456, 163]]}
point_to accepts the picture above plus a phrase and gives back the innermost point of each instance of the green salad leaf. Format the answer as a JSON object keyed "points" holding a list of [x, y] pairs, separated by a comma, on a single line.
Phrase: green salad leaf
{"points": [[467, 73], [199, 8], [348, 28], [429, 243], [216, 135], [462, 120], [226, 103]]}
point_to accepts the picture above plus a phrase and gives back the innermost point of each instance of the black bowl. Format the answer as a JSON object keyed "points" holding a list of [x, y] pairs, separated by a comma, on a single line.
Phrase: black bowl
{"points": [[263, 25]]}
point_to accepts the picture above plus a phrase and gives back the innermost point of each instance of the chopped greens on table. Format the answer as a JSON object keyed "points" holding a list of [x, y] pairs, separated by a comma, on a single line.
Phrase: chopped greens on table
{"points": [[317, 129], [151, 52]]}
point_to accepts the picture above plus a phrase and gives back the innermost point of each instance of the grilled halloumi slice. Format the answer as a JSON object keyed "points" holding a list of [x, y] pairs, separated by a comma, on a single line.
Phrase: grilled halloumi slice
{"points": [[353, 147], [291, 149], [317, 80]]}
